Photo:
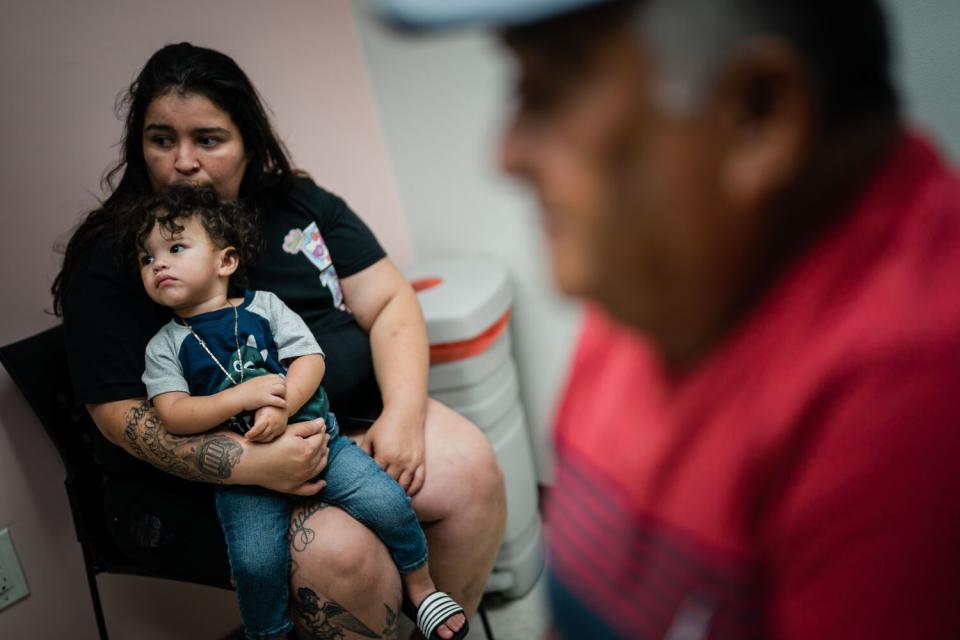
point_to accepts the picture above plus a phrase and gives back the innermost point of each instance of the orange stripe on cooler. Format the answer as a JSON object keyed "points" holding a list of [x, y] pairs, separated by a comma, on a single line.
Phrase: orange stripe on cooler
{"points": [[450, 351]]}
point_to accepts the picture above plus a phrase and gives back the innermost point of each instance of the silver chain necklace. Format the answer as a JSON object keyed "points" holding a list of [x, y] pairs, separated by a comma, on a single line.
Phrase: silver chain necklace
{"points": [[236, 337]]}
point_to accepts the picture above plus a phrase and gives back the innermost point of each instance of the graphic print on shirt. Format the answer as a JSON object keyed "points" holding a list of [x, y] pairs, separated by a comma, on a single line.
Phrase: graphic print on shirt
{"points": [[252, 363], [310, 243]]}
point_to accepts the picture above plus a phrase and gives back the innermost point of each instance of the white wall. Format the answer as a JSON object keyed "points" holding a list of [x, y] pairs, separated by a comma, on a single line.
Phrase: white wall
{"points": [[441, 101], [928, 52], [62, 65]]}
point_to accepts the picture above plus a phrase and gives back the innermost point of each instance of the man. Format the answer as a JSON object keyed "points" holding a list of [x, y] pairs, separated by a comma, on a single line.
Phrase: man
{"points": [[760, 431]]}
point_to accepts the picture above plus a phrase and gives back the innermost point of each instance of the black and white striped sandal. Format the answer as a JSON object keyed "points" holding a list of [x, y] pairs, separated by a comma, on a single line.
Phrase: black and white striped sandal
{"points": [[437, 608]]}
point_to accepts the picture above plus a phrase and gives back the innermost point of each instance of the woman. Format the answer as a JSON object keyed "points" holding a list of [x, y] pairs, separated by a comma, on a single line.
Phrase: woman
{"points": [[193, 117]]}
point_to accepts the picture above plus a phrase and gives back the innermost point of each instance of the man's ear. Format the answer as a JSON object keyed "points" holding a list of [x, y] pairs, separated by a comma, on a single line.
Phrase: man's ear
{"points": [[767, 103], [229, 261]]}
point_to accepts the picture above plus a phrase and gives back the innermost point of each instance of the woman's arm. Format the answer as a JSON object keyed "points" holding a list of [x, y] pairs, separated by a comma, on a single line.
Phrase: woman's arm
{"points": [[183, 414], [285, 465], [386, 307]]}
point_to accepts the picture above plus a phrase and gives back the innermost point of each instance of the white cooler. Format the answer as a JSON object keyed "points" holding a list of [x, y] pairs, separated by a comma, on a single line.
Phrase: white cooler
{"points": [[466, 304]]}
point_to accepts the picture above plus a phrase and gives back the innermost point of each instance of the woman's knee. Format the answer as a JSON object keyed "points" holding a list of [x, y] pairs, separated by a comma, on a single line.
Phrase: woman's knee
{"points": [[465, 465], [344, 565], [340, 548], [483, 474], [488, 490]]}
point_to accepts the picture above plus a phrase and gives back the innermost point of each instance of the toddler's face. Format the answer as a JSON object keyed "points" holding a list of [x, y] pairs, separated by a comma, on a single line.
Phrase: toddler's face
{"points": [[183, 270]]}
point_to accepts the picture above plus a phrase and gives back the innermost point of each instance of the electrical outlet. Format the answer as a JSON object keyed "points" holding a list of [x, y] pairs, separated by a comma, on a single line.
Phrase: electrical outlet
{"points": [[13, 586]]}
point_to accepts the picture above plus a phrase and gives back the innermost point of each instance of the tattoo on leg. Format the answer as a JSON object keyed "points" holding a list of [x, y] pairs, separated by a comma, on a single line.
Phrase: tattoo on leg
{"points": [[292, 567], [299, 534], [328, 620], [205, 458], [391, 630]]}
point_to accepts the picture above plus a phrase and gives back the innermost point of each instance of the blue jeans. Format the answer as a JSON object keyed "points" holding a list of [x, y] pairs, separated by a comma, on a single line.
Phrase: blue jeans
{"points": [[255, 523]]}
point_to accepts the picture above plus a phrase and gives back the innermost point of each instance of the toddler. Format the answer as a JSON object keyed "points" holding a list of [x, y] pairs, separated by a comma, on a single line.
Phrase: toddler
{"points": [[243, 359]]}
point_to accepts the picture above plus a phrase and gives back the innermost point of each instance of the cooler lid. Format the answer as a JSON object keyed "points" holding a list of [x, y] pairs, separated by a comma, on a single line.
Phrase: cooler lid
{"points": [[460, 297]]}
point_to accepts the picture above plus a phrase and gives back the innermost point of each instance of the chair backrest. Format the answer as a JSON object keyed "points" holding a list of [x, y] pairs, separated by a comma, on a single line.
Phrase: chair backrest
{"points": [[38, 366]]}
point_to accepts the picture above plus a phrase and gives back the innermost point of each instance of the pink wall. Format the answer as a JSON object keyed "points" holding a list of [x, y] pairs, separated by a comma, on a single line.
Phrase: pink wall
{"points": [[62, 65]]}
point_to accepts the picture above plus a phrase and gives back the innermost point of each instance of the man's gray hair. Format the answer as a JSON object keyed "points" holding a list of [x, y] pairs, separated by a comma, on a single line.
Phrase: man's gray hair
{"points": [[844, 43], [689, 41]]}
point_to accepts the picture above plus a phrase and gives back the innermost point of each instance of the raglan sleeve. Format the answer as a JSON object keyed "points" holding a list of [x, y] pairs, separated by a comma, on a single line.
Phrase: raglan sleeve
{"points": [[163, 371], [290, 332]]}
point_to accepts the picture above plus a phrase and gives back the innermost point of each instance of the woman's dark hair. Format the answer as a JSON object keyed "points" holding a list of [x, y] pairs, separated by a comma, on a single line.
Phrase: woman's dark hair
{"points": [[229, 224], [182, 69]]}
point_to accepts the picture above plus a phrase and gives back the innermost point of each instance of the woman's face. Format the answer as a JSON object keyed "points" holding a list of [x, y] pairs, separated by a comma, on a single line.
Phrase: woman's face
{"points": [[188, 139]]}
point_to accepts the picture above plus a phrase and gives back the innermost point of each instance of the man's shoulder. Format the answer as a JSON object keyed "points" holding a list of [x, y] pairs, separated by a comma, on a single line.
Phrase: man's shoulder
{"points": [[876, 291], [896, 297]]}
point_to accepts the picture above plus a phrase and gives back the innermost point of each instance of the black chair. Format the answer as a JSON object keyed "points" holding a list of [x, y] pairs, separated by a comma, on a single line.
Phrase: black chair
{"points": [[38, 366]]}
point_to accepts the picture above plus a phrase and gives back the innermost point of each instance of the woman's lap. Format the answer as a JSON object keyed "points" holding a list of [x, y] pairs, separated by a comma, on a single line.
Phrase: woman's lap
{"points": [[461, 506], [169, 526], [456, 451], [457, 455], [325, 542]]}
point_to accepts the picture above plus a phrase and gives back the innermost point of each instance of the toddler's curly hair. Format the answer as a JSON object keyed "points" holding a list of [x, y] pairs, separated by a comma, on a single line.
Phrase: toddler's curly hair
{"points": [[228, 223]]}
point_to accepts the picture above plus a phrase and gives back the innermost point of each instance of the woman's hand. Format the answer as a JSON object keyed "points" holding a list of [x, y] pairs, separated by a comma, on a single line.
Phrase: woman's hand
{"points": [[396, 442], [290, 462]]}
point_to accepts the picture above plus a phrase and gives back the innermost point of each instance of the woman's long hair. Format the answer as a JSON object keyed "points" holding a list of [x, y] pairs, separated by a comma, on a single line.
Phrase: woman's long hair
{"points": [[182, 69]]}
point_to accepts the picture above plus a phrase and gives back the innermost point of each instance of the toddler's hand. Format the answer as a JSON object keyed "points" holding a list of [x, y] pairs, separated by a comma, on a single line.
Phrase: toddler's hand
{"points": [[263, 391], [269, 423]]}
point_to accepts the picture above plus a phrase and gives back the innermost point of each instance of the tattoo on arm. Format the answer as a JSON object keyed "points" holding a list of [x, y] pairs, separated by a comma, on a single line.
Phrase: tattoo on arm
{"points": [[299, 535], [203, 458]]}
